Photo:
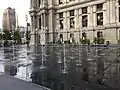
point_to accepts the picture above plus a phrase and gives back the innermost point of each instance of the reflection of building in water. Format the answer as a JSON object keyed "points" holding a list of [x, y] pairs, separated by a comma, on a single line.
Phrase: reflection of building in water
{"points": [[57, 17], [95, 69], [10, 70]]}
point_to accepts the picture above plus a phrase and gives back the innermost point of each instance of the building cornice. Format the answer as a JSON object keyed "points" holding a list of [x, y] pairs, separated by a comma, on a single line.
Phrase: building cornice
{"points": [[51, 7], [77, 5], [32, 10]]}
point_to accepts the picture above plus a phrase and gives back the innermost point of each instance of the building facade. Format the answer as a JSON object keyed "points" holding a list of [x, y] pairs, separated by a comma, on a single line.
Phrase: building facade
{"points": [[22, 31], [54, 19], [9, 19]]}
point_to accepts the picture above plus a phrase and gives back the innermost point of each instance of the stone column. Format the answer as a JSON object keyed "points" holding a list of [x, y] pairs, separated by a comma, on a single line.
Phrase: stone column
{"points": [[41, 21], [32, 22], [65, 22], [37, 3], [80, 22], [44, 2], [77, 19], [107, 12], [38, 22], [30, 3], [94, 16], [32, 34], [117, 12], [44, 15], [65, 27], [104, 14], [77, 35], [91, 16], [33, 3], [64, 1], [112, 11]]}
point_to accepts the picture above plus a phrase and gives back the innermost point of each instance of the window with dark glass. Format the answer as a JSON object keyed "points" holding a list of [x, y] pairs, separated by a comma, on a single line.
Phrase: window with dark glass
{"points": [[72, 13], [35, 22], [119, 2], [61, 24], [61, 20], [99, 34], [99, 7], [60, 1], [100, 18], [61, 36], [40, 23], [72, 22], [84, 10], [61, 15], [39, 2], [84, 21], [119, 14], [84, 35]]}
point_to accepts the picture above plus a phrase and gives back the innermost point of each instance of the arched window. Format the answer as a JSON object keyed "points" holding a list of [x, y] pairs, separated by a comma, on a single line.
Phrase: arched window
{"points": [[61, 35], [84, 35], [71, 35]]}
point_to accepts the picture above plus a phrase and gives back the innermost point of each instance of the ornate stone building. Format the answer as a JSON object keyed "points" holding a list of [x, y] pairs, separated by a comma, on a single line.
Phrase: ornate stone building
{"points": [[52, 19]]}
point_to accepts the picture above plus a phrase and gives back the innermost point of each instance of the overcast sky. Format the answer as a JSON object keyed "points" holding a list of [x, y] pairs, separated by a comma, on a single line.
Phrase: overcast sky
{"points": [[21, 7]]}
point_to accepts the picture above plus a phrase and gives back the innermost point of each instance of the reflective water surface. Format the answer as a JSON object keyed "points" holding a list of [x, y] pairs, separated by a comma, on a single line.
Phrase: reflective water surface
{"points": [[66, 67]]}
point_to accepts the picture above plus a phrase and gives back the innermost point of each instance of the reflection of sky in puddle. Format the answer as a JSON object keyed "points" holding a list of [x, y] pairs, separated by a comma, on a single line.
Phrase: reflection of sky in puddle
{"points": [[21, 75], [20, 61], [1, 67]]}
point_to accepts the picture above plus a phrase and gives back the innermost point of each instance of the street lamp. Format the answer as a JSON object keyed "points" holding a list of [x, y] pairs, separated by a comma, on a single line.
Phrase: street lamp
{"points": [[93, 33], [27, 29], [3, 38]]}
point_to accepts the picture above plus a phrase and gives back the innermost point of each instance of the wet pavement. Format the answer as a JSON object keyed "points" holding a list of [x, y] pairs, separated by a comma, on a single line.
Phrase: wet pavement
{"points": [[67, 67], [12, 83]]}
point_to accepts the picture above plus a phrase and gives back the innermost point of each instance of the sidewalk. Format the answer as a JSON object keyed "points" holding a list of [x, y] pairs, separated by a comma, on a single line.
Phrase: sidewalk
{"points": [[12, 83]]}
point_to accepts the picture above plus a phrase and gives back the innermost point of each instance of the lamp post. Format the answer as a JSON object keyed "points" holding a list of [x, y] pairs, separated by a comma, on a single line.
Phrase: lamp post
{"points": [[12, 35], [93, 33], [3, 38], [27, 30]]}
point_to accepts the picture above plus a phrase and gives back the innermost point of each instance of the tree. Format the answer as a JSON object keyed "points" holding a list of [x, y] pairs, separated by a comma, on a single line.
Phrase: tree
{"points": [[17, 37], [85, 41], [99, 40], [7, 35], [0, 36], [28, 34]]}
